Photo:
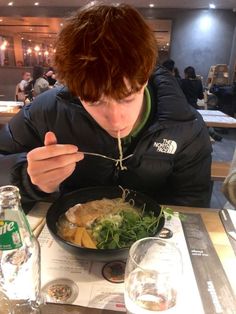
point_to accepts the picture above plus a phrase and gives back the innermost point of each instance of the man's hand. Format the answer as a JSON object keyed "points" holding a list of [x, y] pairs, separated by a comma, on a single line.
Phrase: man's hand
{"points": [[51, 164]]}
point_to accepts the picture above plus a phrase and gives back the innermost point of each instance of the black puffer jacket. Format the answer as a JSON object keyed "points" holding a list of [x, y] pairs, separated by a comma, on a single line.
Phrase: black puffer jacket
{"points": [[172, 154]]}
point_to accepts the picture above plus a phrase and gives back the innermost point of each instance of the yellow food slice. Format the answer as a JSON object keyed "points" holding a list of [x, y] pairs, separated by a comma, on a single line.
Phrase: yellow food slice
{"points": [[87, 240], [67, 234], [78, 235]]}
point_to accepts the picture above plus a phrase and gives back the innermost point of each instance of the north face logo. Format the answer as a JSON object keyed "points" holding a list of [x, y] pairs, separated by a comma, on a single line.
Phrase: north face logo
{"points": [[168, 146]]}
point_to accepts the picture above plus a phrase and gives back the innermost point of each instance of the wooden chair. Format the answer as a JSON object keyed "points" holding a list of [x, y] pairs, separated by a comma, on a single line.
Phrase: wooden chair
{"points": [[229, 185], [219, 170], [19, 94], [218, 75]]}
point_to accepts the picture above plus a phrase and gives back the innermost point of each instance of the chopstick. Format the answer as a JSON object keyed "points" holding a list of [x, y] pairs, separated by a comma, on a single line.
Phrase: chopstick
{"points": [[39, 228]]}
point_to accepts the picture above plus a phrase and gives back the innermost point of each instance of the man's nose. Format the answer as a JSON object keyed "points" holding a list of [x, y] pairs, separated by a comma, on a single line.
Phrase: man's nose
{"points": [[114, 114]]}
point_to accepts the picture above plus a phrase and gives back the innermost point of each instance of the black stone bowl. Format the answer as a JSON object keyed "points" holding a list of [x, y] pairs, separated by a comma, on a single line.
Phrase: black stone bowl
{"points": [[62, 204]]}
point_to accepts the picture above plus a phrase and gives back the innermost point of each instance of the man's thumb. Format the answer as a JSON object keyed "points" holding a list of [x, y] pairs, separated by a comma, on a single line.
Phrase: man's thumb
{"points": [[50, 139]]}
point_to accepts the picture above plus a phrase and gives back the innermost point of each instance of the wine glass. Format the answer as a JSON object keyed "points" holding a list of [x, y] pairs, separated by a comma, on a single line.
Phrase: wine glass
{"points": [[152, 276]]}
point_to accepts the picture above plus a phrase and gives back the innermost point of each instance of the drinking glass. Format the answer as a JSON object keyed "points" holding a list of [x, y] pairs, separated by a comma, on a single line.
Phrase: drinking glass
{"points": [[152, 276]]}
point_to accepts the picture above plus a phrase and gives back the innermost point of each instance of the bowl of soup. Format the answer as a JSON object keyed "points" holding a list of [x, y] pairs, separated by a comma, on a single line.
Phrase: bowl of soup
{"points": [[103, 222]]}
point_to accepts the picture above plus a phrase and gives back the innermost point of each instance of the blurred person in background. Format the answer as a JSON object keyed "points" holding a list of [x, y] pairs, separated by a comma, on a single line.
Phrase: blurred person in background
{"points": [[20, 87], [26, 77], [193, 90], [113, 102], [192, 87], [50, 76], [170, 66], [38, 85], [176, 73]]}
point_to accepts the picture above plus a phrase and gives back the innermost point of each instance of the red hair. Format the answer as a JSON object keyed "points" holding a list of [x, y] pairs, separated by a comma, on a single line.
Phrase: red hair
{"points": [[101, 48]]}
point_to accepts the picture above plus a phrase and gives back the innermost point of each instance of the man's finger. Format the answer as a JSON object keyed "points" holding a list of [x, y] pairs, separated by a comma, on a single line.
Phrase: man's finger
{"points": [[56, 162], [50, 138], [50, 151]]}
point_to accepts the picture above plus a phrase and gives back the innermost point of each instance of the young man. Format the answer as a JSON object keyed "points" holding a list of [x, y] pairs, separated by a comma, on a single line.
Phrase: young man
{"points": [[105, 56]]}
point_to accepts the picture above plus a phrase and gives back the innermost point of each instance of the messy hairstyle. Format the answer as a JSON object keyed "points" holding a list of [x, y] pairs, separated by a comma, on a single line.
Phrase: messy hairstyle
{"points": [[190, 72], [37, 72], [169, 65], [105, 50]]}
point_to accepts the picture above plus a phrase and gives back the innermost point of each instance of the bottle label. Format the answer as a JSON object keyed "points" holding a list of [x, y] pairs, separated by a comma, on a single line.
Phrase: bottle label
{"points": [[10, 238]]}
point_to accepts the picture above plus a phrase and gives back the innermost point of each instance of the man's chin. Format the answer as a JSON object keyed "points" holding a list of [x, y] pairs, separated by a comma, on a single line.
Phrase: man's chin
{"points": [[123, 133]]}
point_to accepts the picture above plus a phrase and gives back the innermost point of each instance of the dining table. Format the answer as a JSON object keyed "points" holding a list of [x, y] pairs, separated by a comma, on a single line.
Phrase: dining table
{"points": [[220, 240], [217, 118], [8, 109]]}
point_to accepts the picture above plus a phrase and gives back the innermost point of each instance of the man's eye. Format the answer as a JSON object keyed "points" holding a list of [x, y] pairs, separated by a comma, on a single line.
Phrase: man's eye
{"points": [[125, 100], [95, 103]]}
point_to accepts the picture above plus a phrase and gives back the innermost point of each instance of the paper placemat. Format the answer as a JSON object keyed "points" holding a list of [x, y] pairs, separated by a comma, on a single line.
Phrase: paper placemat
{"points": [[89, 286], [210, 291]]}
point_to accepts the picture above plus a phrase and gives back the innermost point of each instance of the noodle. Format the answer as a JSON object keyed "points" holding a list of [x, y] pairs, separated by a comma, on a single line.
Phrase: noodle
{"points": [[119, 161]]}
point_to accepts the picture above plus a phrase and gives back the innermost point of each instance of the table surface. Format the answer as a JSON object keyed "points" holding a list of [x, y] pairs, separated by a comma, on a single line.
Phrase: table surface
{"points": [[220, 241], [216, 118], [8, 111]]}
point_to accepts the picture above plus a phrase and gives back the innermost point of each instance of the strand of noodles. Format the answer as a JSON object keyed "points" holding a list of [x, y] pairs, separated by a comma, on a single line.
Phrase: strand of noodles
{"points": [[125, 193], [119, 161]]}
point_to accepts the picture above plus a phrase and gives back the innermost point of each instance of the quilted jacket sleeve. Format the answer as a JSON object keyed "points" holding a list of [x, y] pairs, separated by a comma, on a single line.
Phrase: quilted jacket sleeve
{"points": [[16, 139]]}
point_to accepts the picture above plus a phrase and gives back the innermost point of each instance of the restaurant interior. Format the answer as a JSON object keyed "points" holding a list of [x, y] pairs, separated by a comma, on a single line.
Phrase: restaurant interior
{"points": [[201, 34], [190, 33]]}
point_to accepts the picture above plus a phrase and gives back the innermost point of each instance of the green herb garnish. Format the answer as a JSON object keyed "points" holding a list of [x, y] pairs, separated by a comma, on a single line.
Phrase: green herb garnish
{"points": [[124, 228], [169, 213]]}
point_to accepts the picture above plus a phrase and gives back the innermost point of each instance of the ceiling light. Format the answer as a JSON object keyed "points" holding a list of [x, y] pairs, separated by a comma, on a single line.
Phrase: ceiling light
{"points": [[1, 20], [36, 3], [151, 5], [10, 3], [212, 6], [4, 45], [36, 48], [30, 29], [61, 24], [205, 23], [22, 38]]}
